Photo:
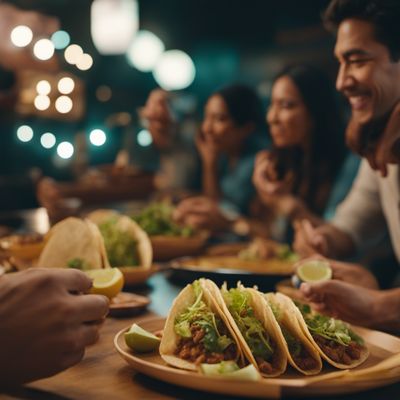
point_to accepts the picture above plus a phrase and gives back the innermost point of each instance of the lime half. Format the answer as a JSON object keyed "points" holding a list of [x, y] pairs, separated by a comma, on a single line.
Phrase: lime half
{"points": [[230, 370], [314, 271], [141, 340]]}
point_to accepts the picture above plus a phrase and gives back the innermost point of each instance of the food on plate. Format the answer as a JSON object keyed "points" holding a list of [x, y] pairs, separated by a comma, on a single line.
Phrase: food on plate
{"points": [[198, 330], [156, 219], [24, 247], [257, 329], [301, 352], [311, 271], [140, 340], [334, 339], [230, 370], [106, 281], [74, 242], [126, 244]]}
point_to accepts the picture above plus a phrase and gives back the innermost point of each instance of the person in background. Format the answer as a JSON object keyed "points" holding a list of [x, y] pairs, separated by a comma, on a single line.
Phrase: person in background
{"points": [[368, 51], [46, 320], [307, 172], [231, 133]]}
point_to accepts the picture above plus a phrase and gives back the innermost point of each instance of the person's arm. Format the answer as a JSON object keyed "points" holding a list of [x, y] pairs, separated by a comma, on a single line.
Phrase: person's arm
{"points": [[361, 306], [46, 322]]}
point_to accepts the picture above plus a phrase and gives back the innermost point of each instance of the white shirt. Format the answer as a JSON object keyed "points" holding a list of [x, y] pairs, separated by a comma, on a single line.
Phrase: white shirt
{"points": [[372, 208]]}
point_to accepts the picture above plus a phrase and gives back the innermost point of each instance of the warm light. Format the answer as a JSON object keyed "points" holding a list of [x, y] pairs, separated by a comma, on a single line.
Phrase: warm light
{"points": [[73, 53], [97, 137], [144, 138], [43, 49], [48, 140], [65, 150], [145, 51], [42, 102], [64, 104], [66, 85], [114, 23], [103, 93], [43, 87], [25, 133], [21, 36], [85, 62], [60, 39], [175, 70]]}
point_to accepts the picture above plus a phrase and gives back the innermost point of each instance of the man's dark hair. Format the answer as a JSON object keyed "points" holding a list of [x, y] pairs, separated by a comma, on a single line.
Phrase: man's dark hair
{"points": [[383, 14]]}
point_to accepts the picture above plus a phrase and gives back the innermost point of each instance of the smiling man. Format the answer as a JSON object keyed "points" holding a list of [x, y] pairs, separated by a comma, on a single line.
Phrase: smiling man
{"points": [[368, 50]]}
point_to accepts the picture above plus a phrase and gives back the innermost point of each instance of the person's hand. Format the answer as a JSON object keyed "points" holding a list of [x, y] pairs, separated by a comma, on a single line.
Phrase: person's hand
{"points": [[207, 149], [202, 213], [14, 58], [343, 300], [158, 118], [348, 272], [46, 322], [309, 240]]}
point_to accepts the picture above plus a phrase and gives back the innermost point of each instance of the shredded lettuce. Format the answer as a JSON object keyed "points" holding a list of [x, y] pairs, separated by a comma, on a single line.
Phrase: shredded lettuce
{"points": [[121, 247], [294, 345], [200, 314], [328, 327], [78, 263], [238, 302], [156, 219]]}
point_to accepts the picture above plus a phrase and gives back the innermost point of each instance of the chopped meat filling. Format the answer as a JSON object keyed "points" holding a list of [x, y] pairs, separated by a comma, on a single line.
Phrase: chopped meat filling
{"points": [[339, 352]]}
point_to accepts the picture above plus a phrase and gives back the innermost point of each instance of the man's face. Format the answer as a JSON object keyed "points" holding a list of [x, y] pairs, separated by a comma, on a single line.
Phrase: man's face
{"points": [[368, 78]]}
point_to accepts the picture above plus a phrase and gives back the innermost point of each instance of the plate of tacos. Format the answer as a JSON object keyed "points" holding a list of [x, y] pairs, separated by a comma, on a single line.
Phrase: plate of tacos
{"points": [[268, 260], [168, 238], [240, 341]]}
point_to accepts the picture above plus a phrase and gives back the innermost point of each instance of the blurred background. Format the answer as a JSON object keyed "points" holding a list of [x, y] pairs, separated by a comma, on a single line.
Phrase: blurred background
{"points": [[74, 103]]}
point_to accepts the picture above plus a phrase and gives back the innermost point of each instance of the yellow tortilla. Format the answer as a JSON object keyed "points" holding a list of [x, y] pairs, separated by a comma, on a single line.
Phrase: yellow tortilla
{"points": [[289, 321], [263, 313], [70, 239], [170, 338], [297, 314]]}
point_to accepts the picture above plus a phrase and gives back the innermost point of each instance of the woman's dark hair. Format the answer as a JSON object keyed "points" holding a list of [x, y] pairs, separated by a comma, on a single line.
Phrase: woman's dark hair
{"points": [[244, 104], [320, 165], [383, 14]]}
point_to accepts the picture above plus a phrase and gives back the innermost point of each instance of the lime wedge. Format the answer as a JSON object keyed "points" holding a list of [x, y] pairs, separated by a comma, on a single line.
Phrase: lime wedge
{"points": [[229, 369], [106, 281], [314, 270], [141, 340]]}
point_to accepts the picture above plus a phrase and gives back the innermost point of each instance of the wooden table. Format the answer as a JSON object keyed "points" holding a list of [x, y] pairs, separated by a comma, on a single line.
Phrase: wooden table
{"points": [[103, 375]]}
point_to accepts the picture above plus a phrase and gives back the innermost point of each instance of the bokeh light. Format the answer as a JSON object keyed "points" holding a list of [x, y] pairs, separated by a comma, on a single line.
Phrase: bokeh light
{"points": [[73, 53], [47, 140], [66, 85], [25, 133], [144, 138], [21, 36], [42, 102], [60, 39], [85, 62], [43, 87], [64, 104], [175, 70], [43, 49], [65, 150], [97, 137], [145, 51]]}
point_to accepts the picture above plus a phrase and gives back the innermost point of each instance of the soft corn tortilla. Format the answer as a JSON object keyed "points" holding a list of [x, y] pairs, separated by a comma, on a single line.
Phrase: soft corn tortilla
{"points": [[170, 339], [70, 239], [297, 313], [126, 224], [289, 321], [263, 313]]}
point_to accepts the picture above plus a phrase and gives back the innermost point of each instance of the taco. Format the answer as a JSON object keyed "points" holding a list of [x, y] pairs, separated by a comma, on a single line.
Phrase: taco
{"points": [[73, 243], [197, 331], [257, 329], [301, 353], [337, 343], [126, 244]]}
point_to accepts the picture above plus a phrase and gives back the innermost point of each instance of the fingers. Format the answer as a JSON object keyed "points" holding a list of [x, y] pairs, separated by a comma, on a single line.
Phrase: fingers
{"points": [[73, 280], [90, 307]]}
